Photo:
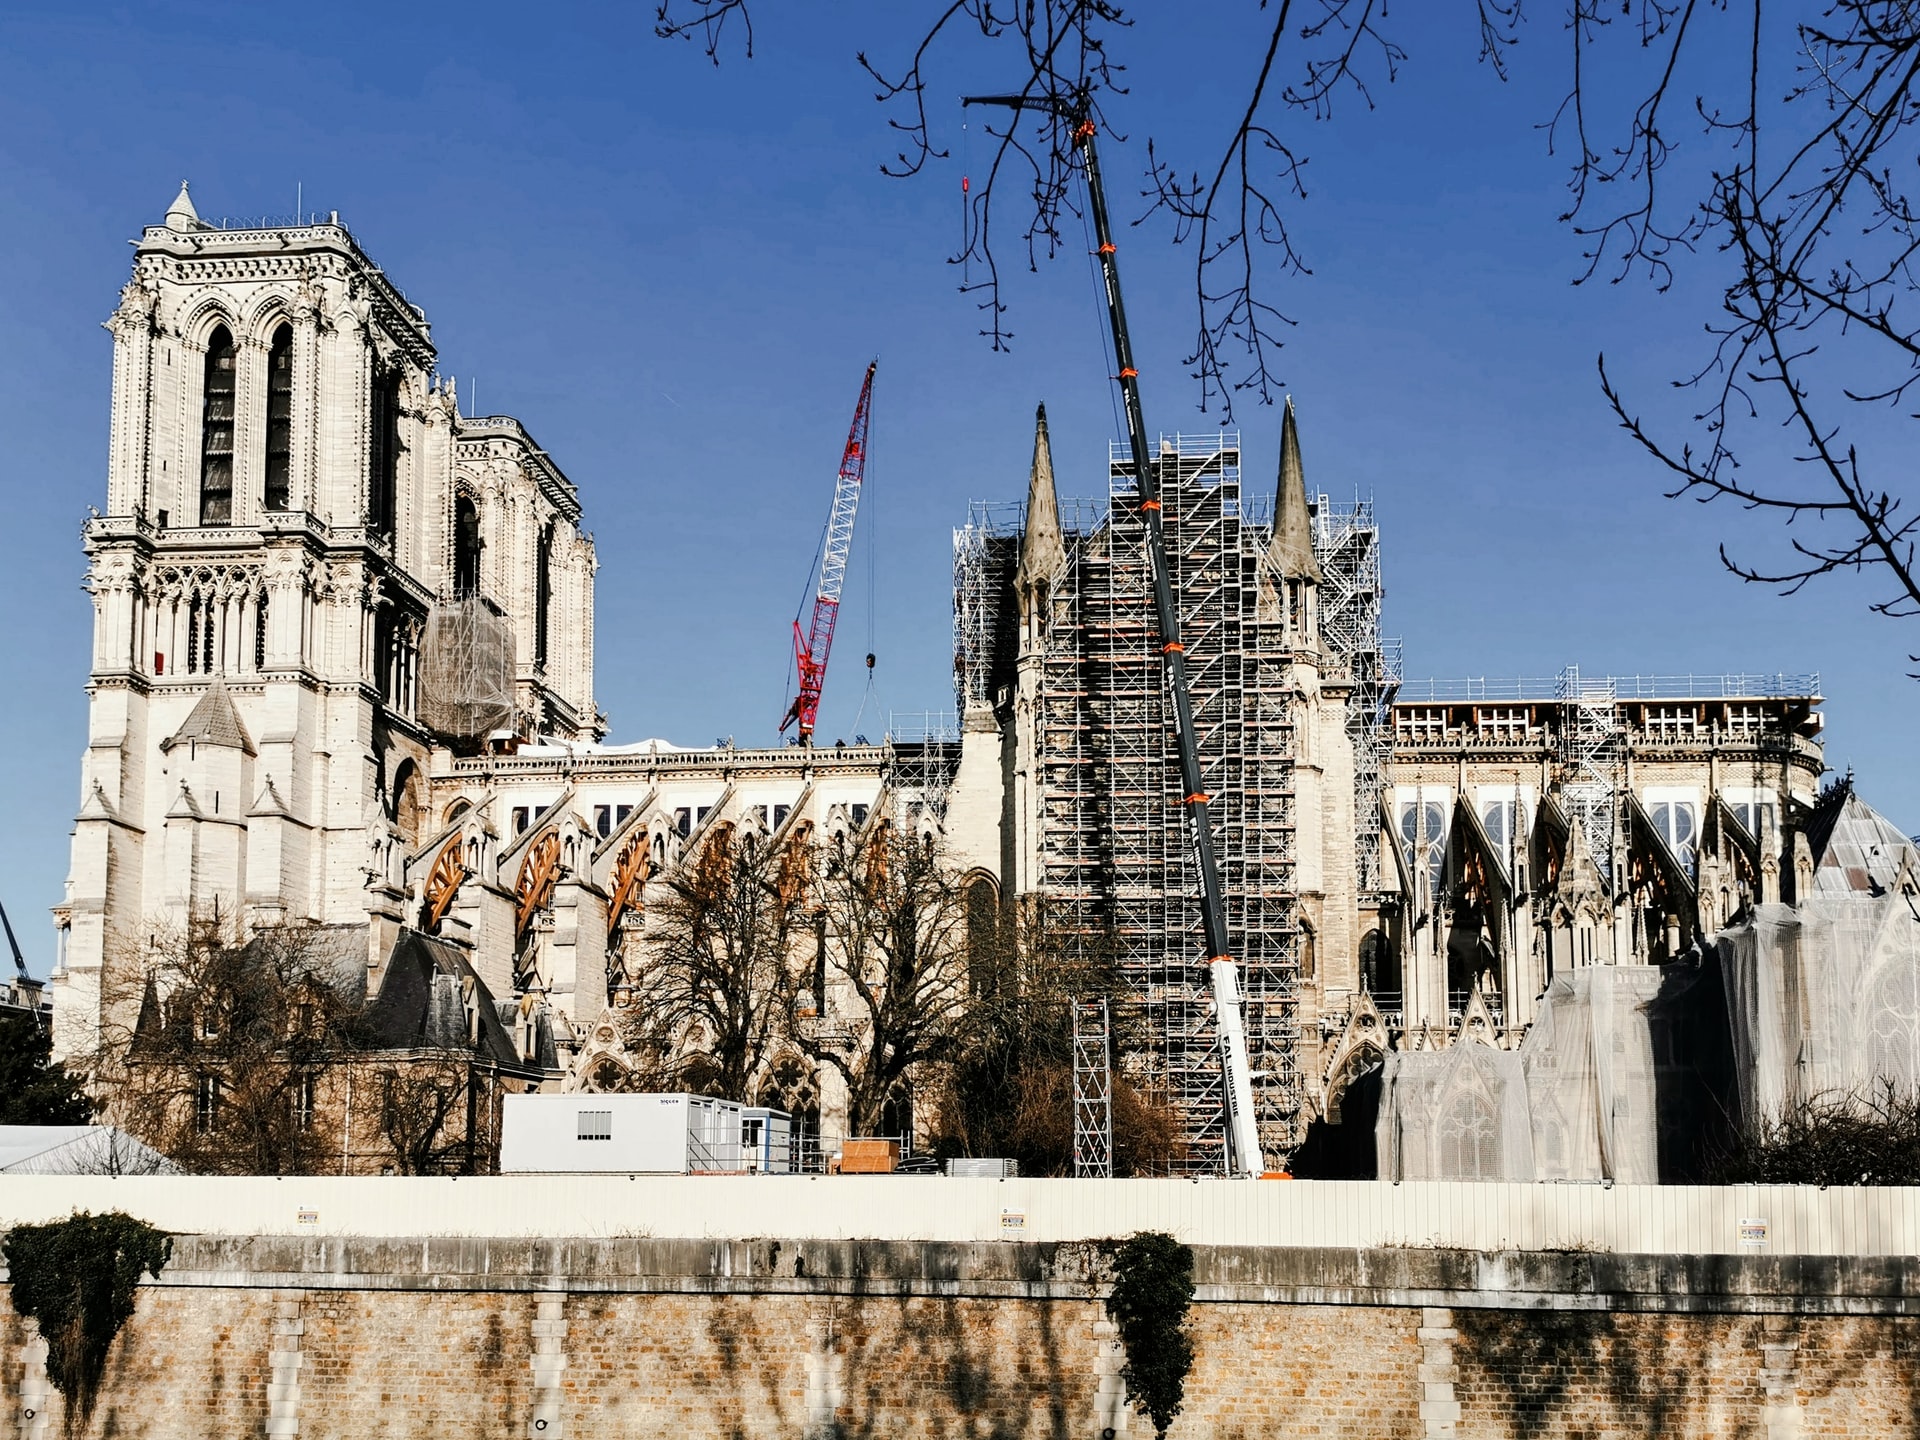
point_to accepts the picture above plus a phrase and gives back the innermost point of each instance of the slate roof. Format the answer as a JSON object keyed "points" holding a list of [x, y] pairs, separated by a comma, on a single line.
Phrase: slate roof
{"points": [[422, 1004], [213, 721]]}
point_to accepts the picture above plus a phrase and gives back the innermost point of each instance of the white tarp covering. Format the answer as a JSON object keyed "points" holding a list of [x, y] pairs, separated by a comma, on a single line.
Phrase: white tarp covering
{"points": [[1631, 1072], [77, 1150]]}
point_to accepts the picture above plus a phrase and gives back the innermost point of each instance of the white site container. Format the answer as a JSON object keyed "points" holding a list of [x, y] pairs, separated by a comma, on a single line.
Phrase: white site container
{"points": [[641, 1135]]}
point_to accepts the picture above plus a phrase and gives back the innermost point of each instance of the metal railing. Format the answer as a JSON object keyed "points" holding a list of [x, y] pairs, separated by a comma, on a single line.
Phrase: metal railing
{"points": [[1779, 686], [913, 727]]}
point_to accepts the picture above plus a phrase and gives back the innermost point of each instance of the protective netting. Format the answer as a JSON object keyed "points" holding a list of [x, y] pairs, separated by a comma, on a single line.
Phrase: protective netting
{"points": [[1826, 1001], [1585, 1097], [1637, 1073], [466, 669]]}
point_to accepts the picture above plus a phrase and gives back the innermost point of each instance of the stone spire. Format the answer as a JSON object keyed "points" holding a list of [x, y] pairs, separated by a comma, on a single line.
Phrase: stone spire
{"points": [[1042, 552], [1291, 552], [181, 215]]}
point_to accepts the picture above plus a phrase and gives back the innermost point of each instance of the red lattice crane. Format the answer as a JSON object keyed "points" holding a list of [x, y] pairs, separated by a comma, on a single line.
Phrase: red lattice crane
{"points": [[814, 643]]}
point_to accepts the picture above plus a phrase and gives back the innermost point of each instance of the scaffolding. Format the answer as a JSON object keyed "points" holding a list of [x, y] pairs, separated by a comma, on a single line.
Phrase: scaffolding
{"points": [[466, 679], [1113, 857], [1092, 1090], [1346, 541], [1591, 744]]}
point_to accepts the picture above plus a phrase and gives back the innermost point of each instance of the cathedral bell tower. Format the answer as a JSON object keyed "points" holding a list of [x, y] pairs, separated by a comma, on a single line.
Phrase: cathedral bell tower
{"points": [[284, 480]]}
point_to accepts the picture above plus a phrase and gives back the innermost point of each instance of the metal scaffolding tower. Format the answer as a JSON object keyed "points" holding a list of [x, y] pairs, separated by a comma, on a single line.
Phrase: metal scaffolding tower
{"points": [[1591, 742], [1346, 541], [1113, 858], [1092, 1090]]}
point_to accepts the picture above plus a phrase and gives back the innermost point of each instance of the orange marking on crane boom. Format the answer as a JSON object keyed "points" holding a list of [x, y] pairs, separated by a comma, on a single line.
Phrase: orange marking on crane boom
{"points": [[1171, 646], [1129, 373], [1196, 799], [1109, 248], [1149, 504], [1084, 129]]}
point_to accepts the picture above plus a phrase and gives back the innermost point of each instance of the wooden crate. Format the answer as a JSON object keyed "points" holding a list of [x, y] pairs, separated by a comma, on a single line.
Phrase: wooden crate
{"points": [[869, 1157]]}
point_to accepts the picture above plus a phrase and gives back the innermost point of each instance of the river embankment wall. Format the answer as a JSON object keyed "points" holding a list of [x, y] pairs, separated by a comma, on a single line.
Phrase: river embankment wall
{"points": [[377, 1308]]}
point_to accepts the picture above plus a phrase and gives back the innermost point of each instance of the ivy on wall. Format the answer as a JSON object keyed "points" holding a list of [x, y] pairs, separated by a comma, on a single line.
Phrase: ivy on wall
{"points": [[1152, 1290], [75, 1278]]}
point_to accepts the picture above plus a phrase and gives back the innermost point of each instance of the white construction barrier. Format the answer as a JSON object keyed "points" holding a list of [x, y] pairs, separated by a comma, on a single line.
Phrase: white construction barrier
{"points": [[1781, 1220]]}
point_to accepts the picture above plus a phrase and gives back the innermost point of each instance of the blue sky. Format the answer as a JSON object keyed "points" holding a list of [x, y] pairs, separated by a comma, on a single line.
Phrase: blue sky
{"points": [[675, 274]]}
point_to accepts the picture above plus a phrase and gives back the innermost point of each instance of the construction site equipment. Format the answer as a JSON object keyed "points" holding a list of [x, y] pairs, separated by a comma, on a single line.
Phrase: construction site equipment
{"points": [[1346, 542], [1591, 743], [1092, 1090], [1243, 1156], [662, 1134], [869, 1157], [812, 645], [466, 669]]}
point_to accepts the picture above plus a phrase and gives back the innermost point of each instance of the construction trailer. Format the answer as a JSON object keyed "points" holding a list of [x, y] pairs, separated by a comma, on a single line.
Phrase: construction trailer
{"points": [[650, 1134]]}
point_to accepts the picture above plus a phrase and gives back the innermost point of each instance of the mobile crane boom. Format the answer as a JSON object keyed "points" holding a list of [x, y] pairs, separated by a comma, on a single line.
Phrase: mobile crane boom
{"points": [[812, 645], [1242, 1133]]}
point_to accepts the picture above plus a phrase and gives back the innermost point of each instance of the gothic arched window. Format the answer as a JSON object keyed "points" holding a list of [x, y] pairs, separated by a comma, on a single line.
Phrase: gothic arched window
{"points": [[1469, 1138], [466, 547], [277, 493], [543, 596], [216, 432], [383, 455]]}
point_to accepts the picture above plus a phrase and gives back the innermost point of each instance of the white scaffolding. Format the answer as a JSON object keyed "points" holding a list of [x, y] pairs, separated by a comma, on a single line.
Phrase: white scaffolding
{"points": [[1346, 541], [1591, 742], [1092, 1090]]}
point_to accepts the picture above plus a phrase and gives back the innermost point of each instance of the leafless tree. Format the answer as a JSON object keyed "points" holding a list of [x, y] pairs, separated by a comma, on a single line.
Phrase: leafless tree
{"points": [[895, 956], [712, 995], [216, 1060], [1865, 1138], [429, 1103], [1805, 194], [1791, 193], [1008, 1090]]}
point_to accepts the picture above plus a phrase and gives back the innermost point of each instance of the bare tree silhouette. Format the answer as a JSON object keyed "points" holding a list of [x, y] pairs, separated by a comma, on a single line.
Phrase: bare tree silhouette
{"points": [[1793, 197]]}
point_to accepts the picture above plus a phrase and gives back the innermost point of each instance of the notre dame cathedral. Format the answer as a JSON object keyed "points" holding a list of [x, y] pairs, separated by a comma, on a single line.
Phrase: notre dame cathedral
{"points": [[343, 677], [291, 488]]}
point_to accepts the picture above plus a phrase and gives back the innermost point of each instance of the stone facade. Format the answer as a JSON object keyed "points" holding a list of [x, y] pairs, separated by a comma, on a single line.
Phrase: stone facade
{"points": [[286, 484], [304, 543], [581, 1338]]}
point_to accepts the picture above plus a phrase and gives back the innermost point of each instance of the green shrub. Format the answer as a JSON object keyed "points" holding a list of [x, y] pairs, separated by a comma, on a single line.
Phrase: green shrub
{"points": [[1152, 1290], [76, 1278]]}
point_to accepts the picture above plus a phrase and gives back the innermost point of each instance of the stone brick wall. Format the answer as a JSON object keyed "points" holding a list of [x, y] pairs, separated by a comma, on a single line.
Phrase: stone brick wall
{"points": [[726, 1341]]}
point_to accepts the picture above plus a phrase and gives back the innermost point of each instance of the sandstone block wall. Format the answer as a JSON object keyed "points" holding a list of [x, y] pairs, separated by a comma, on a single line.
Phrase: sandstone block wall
{"points": [[740, 1340]]}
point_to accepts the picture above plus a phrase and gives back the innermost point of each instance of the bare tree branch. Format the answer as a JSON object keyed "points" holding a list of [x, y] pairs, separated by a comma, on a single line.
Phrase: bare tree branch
{"points": [[1811, 238]]}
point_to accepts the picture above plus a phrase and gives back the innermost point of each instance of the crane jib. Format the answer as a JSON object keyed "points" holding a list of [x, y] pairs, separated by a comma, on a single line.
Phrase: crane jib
{"points": [[1243, 1141], [813, 645]]}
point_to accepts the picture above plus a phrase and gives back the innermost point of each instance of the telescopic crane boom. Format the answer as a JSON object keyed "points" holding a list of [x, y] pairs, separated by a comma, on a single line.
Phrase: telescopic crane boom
{"points": [[1243, 1135], [812, 645]]}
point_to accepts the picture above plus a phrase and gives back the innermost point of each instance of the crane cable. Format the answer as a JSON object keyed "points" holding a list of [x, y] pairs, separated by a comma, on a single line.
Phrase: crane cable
{"points": [[812, 584], [873, 568]]}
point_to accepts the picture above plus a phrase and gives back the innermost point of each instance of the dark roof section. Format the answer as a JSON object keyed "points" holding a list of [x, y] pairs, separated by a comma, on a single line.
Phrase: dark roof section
{"points": [[213, 721], [424, 1004]]}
